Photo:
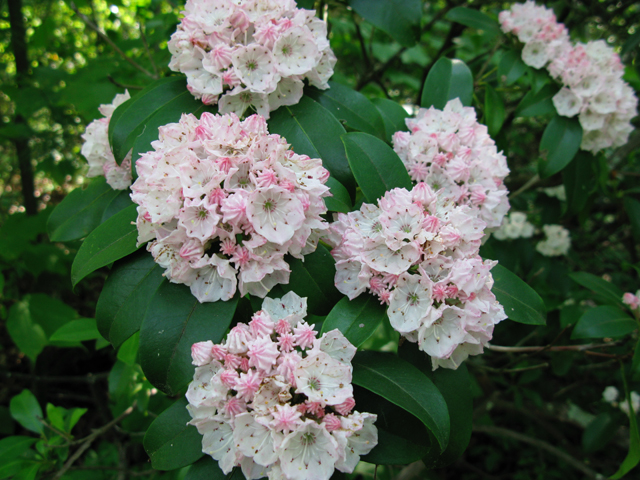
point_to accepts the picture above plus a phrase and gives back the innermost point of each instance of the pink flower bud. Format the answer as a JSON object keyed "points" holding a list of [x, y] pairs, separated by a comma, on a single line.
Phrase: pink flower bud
{"points": [[345, 407], [331, 422], [201, 353]]}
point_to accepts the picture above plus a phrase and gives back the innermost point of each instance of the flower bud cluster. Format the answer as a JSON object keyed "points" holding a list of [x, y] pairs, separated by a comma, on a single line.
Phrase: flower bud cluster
{"points": [[514, 225], [451, 152], [223, 202], [277, 401], [255, 53], [97, 151], [591, 74], [633, 301], [556, 243], [418, 252]]}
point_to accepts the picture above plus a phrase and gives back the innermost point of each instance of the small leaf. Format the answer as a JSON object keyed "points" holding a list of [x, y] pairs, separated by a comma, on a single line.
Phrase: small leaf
{"points": [[606, 290], [357, 319], [114, 239], [447, 79], [174, 321], [537, 103], [375, 165], [494, 112], [26, 410], [398, 18], [339, 201], [521, 303], [474, 19], [393, 116], [312, 130], [404, 385], [80, 212], [170, 442], [511, 67], [28, 336], [350, 107], [578, 181], [79, 330], [604, 321], [559, 144]]}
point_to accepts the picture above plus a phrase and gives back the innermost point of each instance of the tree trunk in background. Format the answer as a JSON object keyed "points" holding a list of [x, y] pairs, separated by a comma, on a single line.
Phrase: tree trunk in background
{"points": [[19, 46]]}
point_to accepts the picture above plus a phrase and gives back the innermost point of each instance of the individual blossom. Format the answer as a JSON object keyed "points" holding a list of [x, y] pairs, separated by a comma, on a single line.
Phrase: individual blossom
{"points": [[515, 225], [290, 414], [590, 74], [635, 403], [250, 53], [610, 394], [97, 151], [418, 253], [451, 152], [556, 243], [221, 202], [633, 301]]}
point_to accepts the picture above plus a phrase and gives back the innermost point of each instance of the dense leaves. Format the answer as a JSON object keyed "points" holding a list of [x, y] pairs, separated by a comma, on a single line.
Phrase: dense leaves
{"points": [[447, 79]]}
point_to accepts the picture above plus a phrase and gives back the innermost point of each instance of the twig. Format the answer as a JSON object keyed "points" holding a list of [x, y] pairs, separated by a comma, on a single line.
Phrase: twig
{"points": [[89, 440], [55, 430], [110, 42], [123, 470], [122, 85], [90, 378], [566, 458], [146, 47], [590, 346], [532, 181]]}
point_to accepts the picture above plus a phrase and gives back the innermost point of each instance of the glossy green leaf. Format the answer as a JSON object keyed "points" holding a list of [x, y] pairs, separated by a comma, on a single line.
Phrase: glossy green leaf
{"points": [[521, 303], [339, 201], [632, 207], [607, 291], [351, 107], [314, 279], [447, 79], [375, 165], [26, 410], [79, 330], [170, 442], [393, 116], [357, 319], [130, 118], [111, 241], [537, 103], [404, 385], [400, 19], [128, 351], [604, 321], [207, 469], [312, 130], [559, 144], [578, 181], [119, 203], [174, 321], [511, 67], [599, 432], [80, 212], [494, 112], [126, 295], [474, 19]]}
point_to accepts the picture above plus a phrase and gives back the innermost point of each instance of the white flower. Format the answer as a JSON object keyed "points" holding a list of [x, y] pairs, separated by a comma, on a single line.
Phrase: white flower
{"points": [[610, 394], [309, 453]]}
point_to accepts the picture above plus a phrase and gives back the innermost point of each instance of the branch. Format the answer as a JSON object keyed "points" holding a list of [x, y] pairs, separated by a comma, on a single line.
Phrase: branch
{"points": [[563, 348], [107, 40], [566, 458]]}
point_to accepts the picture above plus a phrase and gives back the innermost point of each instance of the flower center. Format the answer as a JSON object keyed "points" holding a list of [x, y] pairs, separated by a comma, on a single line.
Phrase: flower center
{"points": [[308, 439], [314, 383], [269, 205], [251, 65]]}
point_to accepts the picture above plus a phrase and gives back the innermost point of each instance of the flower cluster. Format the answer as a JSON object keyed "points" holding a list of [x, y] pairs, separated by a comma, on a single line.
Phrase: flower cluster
{"points": [[591, 75], [610, 395], [513, 226], [556, 243], [633, 301], [451, 152], [221, 197], [97, 151], [245, 53], [418, 252], [277, 401]]}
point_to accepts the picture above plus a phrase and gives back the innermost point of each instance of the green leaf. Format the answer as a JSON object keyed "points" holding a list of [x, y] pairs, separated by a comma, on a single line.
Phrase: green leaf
{"points": [[375, 165], [13, 447], [599, 432], [494, 112], [357, 319], [447, 79], [114, 239], [511, 67], [537, 103], [26, 410], [521, 303], [314, 279], [474, 19], [633, 457], [119, 203], [393, 116], [578, 181], [170, 442], [312, 130], [632, 207], [559, 144], [28, 336], [174, 321], [604, 321], [130, 119], [128, 351], [29, 471], [352, 108], [80, 212], [609, 292], [398, 18], [126, 295], [404, 385], [340, 200], [207, 469], [79, 330]]}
